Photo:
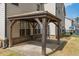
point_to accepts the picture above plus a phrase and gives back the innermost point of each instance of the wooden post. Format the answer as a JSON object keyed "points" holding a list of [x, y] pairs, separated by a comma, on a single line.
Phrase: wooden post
{"points": [[10, 37], [58, 33], [10, 33], [44, 35], [43, 27]]}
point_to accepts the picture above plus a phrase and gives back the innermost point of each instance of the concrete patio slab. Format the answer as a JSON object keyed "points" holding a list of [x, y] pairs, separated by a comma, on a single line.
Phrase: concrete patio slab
{"points": [[33, 48]]}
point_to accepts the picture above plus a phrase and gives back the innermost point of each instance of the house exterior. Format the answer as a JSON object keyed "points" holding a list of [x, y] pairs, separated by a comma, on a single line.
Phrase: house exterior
{"points": [[56, 9], [52, 21], [76, 25], [67, 25], [13, 9], [72, 24], [2, 22]]}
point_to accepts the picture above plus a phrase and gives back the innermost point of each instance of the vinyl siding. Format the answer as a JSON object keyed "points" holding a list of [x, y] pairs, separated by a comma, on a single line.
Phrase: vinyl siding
{"points": [[14, 10], [2, 21], [29, 7], [67, 24]]}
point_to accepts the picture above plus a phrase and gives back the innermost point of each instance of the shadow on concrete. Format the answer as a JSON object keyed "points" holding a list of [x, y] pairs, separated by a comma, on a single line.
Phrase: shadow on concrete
{"points": [[60, 47]]}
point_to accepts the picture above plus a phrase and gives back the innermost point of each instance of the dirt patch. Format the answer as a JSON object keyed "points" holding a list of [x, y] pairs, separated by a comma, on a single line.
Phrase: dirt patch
{"points": [[71, 48], [7, 52]]}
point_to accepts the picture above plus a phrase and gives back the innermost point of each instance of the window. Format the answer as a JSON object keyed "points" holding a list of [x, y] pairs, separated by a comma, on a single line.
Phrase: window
{"points": [[58, 11], [38, 28], [24, 28], [77, 19], [16, 4], [38, 7], [62, 9]]}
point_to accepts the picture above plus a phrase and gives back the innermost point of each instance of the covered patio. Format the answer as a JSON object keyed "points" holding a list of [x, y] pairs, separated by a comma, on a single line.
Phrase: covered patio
{"points": [[39, 19]]}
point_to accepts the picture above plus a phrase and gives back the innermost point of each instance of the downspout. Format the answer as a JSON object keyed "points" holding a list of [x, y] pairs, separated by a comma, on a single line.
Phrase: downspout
{"points": [[5, 41]]}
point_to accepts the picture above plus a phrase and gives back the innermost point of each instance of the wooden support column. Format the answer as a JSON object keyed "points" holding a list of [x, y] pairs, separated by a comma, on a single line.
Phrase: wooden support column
{"points": [[44, 35], [58, 33], [43, 27], [10, 33], [10, 37]]}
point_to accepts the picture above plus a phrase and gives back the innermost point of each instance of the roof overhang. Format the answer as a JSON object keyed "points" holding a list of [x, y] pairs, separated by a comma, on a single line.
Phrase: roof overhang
{"points": [[36, 14]]}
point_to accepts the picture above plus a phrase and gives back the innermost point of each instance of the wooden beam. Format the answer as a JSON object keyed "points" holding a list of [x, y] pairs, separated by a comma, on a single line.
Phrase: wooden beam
{"points": [[55, 23], [44, 35], [38, 21], [35, 25]]}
